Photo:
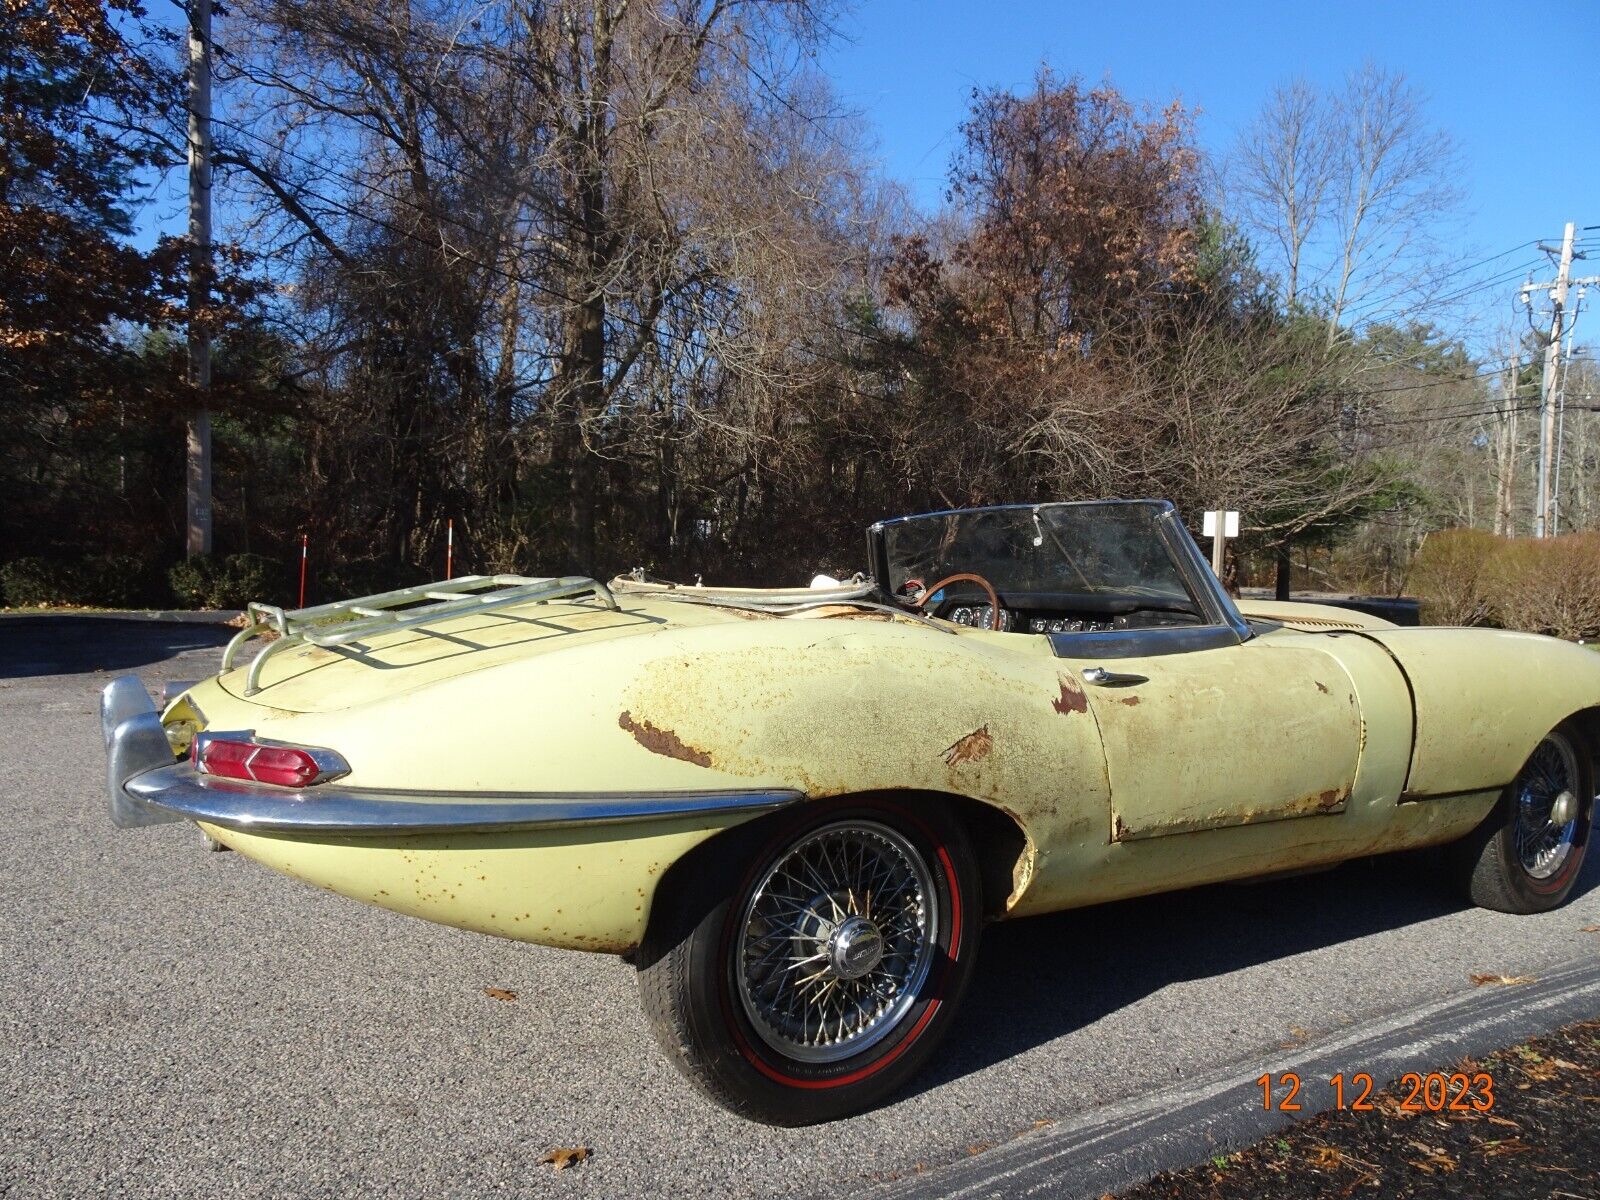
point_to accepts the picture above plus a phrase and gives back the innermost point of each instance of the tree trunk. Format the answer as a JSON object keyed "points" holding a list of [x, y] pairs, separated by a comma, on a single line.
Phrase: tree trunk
{"points": [[1285, 571]]}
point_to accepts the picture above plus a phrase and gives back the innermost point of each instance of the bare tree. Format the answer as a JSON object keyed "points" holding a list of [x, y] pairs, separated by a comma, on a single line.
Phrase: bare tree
{"points": [[1345, 191], [1394, 180], [1280, 175]]}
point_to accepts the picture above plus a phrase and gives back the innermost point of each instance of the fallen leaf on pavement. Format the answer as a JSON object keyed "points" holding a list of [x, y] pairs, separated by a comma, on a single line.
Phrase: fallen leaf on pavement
{"points": [[499, 994], [1589, 929], [563, 1157], [1502, 980]]}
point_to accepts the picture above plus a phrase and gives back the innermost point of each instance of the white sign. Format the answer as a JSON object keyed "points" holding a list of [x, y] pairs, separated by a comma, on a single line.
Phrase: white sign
{"points": [[1230, 524]]}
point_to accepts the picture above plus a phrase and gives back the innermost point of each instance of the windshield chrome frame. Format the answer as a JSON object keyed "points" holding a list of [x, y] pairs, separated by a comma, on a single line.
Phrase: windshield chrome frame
{"points": [[1223, 625]]}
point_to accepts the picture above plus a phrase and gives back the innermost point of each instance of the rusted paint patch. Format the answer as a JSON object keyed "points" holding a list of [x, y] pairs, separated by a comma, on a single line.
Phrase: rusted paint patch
{"points": [[1071, 700], [1130, 701], [1325, 801], [974, 746], [599, 945], [663, 741]]}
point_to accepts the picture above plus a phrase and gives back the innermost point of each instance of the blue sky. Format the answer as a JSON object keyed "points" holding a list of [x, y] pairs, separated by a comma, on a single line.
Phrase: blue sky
{"points": [[1508, 81], [1511, 82]]}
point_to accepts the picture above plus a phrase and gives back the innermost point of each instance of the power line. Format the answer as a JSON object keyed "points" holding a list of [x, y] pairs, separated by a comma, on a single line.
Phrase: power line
{"points": [[1357, 310], [1462, 415], [1431, 382]]}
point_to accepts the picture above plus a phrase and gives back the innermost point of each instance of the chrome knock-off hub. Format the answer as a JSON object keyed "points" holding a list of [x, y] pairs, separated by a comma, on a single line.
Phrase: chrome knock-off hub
{"points": [[1548, 808], [854, 948], [1564, 808]]}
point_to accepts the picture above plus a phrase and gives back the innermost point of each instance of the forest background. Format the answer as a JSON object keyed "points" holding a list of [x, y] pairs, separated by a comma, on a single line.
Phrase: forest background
{"points": [[609, 284]]}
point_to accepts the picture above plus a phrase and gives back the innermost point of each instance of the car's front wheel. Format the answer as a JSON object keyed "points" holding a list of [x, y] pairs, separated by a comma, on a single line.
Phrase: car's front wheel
{"points": [[1526, 857], [817, 981]]}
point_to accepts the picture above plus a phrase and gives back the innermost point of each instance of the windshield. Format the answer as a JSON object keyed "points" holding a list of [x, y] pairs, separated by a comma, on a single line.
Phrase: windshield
{"points": [[1076, 549]]}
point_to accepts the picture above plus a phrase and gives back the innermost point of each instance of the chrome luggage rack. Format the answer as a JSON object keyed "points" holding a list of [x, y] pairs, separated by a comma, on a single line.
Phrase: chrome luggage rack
{"points": [[345, 623]]}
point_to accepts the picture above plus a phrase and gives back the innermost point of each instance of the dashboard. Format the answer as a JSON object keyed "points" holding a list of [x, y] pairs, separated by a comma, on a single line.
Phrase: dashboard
{"points": [[1068, 613], [1012, 621]]}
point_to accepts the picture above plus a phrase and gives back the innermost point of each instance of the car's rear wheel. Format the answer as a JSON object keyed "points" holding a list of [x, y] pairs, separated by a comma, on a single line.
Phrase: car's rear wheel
{"points": [[816, 982], [1526, 857]]}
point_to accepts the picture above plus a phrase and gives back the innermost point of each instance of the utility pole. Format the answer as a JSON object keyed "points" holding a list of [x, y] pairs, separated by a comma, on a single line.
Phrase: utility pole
{"points": [[1506, 445], [1561, 412], [1544, 514], [198, 458]]}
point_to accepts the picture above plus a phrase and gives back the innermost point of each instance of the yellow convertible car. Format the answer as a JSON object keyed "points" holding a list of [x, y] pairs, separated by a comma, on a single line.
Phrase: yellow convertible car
{"points": [[795, 811]]}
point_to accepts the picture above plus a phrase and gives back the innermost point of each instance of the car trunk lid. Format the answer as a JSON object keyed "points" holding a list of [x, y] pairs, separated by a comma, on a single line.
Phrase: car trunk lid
{"points": [[310, 678]]}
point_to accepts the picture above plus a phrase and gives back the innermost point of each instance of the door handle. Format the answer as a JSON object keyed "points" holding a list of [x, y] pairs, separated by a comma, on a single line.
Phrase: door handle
{"points": [[1100, 677]]}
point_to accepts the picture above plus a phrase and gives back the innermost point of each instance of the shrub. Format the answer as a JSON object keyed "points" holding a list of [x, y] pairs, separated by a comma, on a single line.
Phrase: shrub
{"points": [[1448, 575], [364, 577], [205, 581], [111, 580], [1547, 585], [30, 582]]}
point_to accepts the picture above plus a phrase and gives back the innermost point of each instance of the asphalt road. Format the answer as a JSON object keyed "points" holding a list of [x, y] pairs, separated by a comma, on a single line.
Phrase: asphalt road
{"points": [[178, 1022]]}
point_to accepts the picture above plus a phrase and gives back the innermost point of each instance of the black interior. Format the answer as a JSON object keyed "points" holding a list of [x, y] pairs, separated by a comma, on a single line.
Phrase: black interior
{"points": [[1064, 612]]}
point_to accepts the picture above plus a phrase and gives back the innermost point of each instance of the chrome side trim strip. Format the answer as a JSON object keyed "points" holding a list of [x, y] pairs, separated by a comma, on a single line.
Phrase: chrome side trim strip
{"points": [[179, 792]]}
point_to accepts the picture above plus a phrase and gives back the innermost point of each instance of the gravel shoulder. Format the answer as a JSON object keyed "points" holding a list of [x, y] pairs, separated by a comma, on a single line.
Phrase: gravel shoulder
{"points": [[174, 1022]]}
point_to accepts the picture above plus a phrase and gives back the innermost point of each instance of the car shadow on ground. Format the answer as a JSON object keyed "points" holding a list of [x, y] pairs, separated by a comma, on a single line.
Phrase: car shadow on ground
{"points": [[70, 645], [1044, 977]]}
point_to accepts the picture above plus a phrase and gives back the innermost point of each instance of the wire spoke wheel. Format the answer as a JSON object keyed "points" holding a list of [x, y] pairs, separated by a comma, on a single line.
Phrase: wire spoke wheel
{"points": [[836, 941], [1548, 807]]}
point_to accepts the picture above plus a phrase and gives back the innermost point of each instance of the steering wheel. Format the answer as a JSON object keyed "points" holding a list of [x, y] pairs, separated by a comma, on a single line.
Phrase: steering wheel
{"points": [[921, 601]]}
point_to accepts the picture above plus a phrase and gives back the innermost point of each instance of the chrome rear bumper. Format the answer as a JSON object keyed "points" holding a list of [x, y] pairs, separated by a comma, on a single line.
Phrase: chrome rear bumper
{"points": [[135, 744], [147, 787]]}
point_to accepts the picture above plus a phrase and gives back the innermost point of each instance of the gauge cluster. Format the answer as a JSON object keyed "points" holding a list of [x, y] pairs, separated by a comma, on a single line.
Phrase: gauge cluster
{"points": [[1071, 625], [977, 616], [1011, 621]]}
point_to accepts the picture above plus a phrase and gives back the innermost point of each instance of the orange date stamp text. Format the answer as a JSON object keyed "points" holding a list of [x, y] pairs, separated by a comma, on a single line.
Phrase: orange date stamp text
{"points": [[1433, 1091]]}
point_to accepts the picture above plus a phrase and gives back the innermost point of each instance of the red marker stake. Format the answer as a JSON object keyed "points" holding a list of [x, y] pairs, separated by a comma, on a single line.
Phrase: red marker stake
{"points": [[450, 548], [302, 570]]}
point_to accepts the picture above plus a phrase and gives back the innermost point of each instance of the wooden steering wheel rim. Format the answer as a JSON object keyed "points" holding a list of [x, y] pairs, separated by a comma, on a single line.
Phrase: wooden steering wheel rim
{"points": [[966, 576]]}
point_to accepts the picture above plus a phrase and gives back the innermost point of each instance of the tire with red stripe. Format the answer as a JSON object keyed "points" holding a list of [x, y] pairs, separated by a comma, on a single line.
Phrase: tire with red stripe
{"points": [[814, 976], [1528, 853]]}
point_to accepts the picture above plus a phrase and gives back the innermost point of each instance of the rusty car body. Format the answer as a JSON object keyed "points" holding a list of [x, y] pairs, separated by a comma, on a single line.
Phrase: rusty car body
{"points": [[794, 810]]}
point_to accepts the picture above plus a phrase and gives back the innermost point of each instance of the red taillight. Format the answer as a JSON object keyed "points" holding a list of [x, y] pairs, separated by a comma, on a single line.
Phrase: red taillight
{"points": [[286, 766]]}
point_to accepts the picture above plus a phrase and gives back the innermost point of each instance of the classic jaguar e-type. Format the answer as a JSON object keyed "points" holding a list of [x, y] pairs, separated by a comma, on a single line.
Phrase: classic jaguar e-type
{"points": [[796, 810]]}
